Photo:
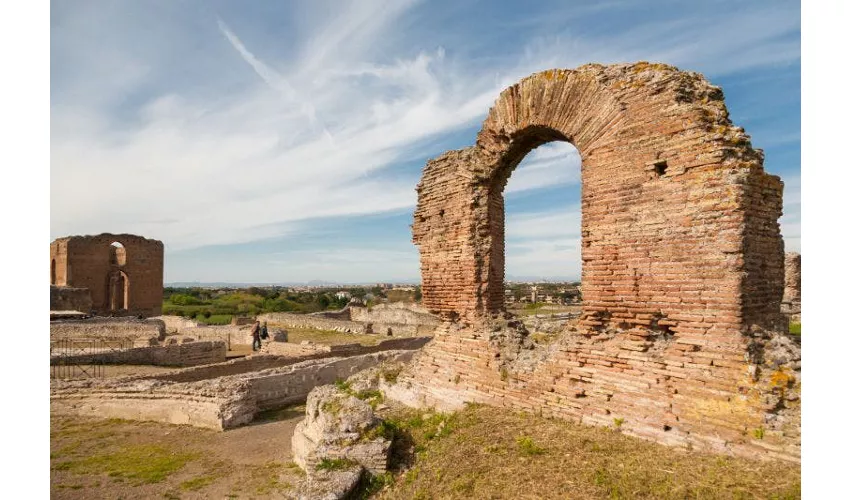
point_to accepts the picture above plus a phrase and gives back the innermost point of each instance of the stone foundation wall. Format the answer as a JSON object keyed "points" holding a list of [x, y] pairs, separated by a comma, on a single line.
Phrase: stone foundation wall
{"points": [[290, 349], [176, 324], [397, 313], [338, 325], [186, 354], [291, 385], [108, 328], [675, 391], [311, 321], [217, 403], [64, 298]]}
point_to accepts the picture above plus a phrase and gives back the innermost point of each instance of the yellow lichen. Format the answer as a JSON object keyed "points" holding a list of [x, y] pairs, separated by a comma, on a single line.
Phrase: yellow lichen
{"points": [[781, 379]]}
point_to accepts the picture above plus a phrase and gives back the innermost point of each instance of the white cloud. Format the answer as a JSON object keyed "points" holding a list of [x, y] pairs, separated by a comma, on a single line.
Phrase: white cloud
{"points": [[223, 136], [549, 165]]}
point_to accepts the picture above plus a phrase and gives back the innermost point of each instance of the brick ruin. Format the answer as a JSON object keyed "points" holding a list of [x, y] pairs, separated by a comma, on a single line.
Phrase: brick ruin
{"points": [[791, 297], [122, 273], [681, 339]]}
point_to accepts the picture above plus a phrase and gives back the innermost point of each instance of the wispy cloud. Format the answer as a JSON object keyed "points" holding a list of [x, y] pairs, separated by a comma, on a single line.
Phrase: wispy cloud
{"points": [[181, 122]]}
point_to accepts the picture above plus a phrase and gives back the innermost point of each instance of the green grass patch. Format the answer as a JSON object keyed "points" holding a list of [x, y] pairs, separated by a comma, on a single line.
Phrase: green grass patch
{"points": [[330, 464], [139, 464], [528, 447], [197, 483], [215, 319], [794, 328]]}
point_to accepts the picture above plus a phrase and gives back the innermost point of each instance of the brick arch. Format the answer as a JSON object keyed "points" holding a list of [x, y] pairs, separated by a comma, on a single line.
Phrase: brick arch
{"points": [[679, 220]]}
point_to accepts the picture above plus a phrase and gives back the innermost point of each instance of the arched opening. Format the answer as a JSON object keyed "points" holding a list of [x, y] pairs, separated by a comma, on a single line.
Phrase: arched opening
{"points": [[542, 234], [52, 271], [119, 291], [117, 254]]}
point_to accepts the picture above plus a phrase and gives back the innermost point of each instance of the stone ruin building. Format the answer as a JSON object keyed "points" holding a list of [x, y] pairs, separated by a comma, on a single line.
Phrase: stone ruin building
{"points": [[107, 275], [681, 339]]}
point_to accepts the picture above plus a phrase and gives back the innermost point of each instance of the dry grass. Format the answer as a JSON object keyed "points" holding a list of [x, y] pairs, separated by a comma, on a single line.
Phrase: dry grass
{"points": [[97, 458], [484, 452], [326, 337]]}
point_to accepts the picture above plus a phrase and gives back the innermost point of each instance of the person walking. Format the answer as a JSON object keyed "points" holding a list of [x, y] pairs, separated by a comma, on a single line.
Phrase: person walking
{"points": [[255, 333]]}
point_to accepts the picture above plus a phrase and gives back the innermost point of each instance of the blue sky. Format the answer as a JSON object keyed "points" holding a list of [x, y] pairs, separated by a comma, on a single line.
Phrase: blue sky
{"points": [[282, 141]]}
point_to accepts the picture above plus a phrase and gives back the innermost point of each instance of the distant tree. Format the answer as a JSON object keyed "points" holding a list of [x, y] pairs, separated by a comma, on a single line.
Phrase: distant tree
{"points": [[324, 301], [417, 295]]}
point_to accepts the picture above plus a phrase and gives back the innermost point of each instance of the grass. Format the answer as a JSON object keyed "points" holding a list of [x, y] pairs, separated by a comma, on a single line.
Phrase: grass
{"points": [[330, 464], [139, 464], [326, 337], [198, 482], [794, 328], [215, 319], [113, 458], [528, 447], [486, 452]]}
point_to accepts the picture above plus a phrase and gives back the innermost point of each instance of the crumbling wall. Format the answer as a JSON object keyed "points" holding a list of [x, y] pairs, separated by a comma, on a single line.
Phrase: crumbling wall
{"points": [[681, 265], [312, 321], [291, 349], [87, 262], [185, 354], [397, 313], [176, 324], [217, 403], [108, 328], [338, 325], [63, 298], [791, 298]]}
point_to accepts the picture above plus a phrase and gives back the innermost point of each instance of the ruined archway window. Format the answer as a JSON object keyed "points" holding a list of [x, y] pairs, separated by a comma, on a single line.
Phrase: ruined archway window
{"points": [[119, 291], [52, 271], [543, 231], [118, 254]]}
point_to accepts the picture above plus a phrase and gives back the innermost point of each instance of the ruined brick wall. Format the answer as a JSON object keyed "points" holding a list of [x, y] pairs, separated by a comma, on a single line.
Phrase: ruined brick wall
{"points": [[675, 202], [682, 266], [64, 298], [791, 297], [90, 262]]}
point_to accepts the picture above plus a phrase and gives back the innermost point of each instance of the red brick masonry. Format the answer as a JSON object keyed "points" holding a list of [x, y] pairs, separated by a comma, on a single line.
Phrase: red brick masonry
{"points": [[681, 339]]}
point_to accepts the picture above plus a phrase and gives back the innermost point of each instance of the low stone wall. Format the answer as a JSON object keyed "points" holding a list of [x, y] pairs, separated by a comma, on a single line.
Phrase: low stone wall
{"points": [[284, 386], [312, 321], [284, 355], [229, 368], [176, 324], [186, 354], [338, 325], [65, 298], [108, 328], [290, 349], [397, 313], [207, 404], [218, 403]]}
